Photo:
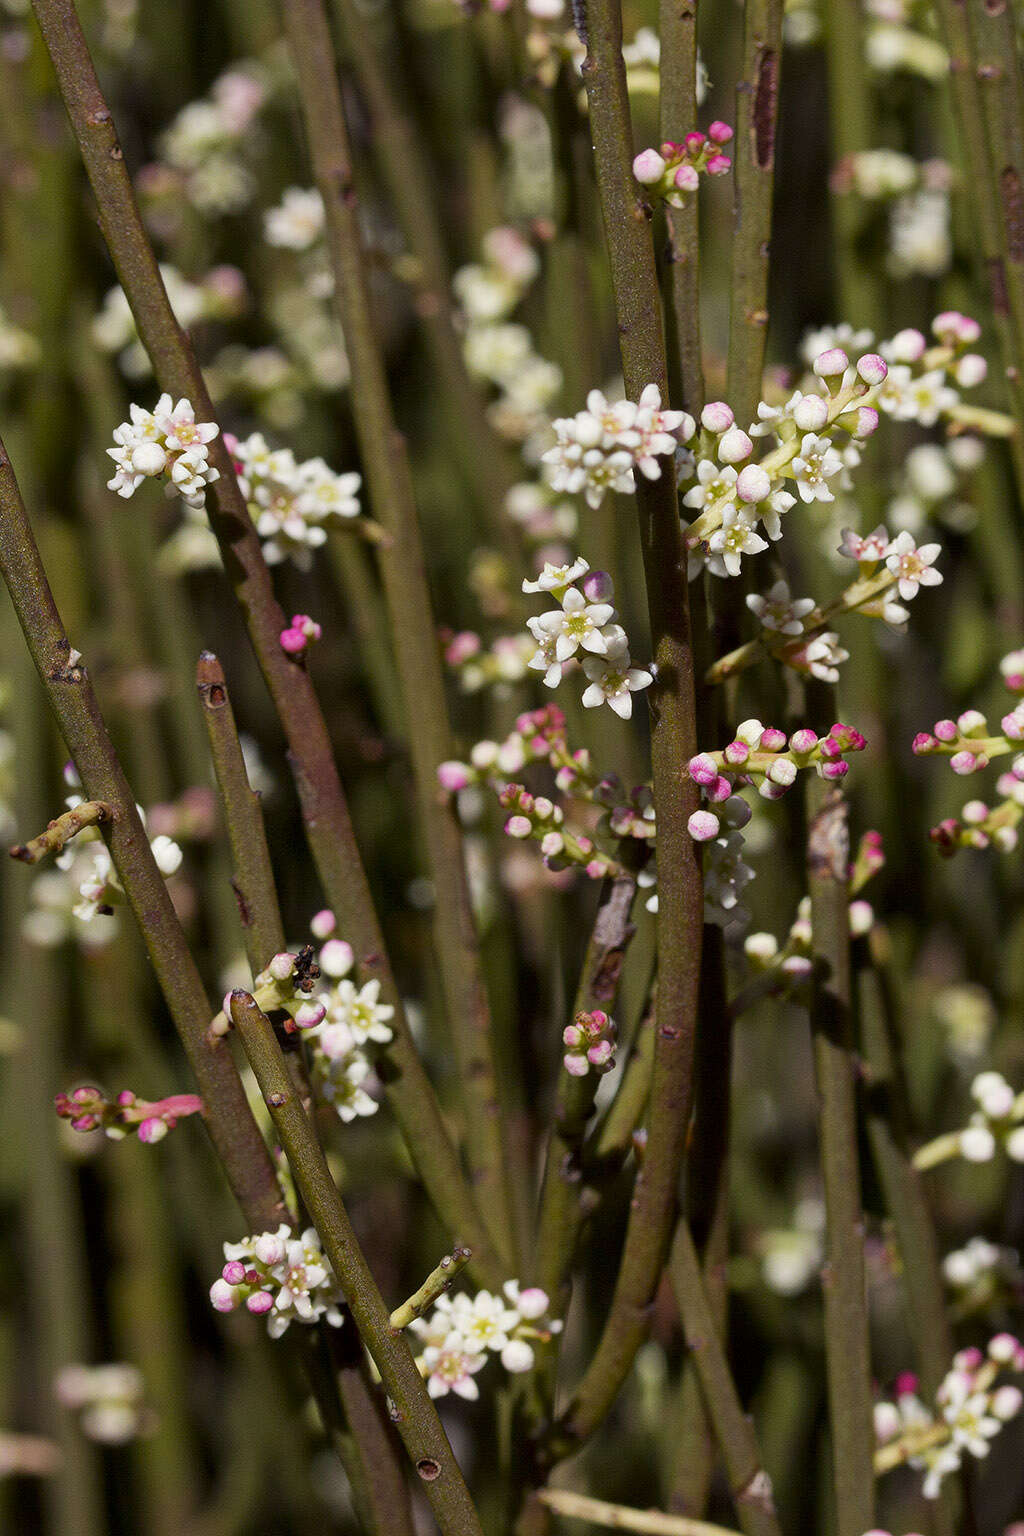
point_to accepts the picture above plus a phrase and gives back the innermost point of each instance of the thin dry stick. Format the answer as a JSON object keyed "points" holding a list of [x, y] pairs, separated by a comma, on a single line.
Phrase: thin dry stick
{"points": [[750, 1484], [226, 1112], [61, 830], [324, 809], [673, 741], [757, 105], [618, 1517], [414, 1413], [412, 622], [844, 1284], [678, 105], [437, 1282]]}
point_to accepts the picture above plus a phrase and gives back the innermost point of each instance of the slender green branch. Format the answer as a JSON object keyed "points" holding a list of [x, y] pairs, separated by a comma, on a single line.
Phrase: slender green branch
{"points": [[757, 106], [61, 830], [412, 623], [414, 1413], [437, 1282], [673, 739], [678, 105], [618, 1517], [324, 809], [847, 1339], [751, 1487], [70, 693], [253, 879]]}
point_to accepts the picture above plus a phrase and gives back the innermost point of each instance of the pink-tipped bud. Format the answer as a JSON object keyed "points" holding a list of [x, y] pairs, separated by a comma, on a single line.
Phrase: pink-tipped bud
{"points": [[923, 742], [600, 1055], [716, 416], [532, 1303], [686, 179], [945, 730], [907, 346], [831, 363], [734, 446], [694, 142], [598, 587], [223, 1297], [259, 1302], [965, 762], [865, 421], [233, 1272], [703, 826], [971, 370], [803, 741], [309, 1015], [649, 167], [772, 739], [836, 770], [518, 826], [753, 484], [719, 132], [454, 776], [720, 790], [702, 769], [872, 368], [293, 642], [152, 1129], [783, 772], [718, 165], [125, 1097], [736, 753], [576, 1066]]}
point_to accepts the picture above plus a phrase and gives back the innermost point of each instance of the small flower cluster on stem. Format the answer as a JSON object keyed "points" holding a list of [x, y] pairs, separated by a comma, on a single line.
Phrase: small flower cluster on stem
{"points": [[996, 1122], [292, 504], [463, 1332], [673, 170], [971, 1406], [110, 1401], [584, 626], [282, 1277], [598, 449], [165, 441], [300, 634], [762, 755], [89, 1109], [589, 1043]]}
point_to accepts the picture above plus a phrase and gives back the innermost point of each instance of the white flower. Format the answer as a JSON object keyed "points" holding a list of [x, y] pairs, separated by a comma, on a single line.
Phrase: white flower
{"points": [[178, 426], [824, 656], [912, 567], [451, 1369], [865, 549], [298, 222], [554, 577], [816, 464], [483, 1321], [577, 624], [341, 1083], [359, 1010], [715, 489], [735, 538], [613, 681], [778, 611]]}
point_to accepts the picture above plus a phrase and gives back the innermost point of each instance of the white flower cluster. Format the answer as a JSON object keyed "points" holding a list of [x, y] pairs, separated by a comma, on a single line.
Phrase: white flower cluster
{"points": [[354, 1019], [282, 1277], [598, 449], [463, 1332], [996, 1119], [495, 348], [109, 1401], [979, 1264], [791, 1257], [165, 441], [297, 222], [584, 622], [220, 295], [929, 484], [205, 143], [292, 504]]}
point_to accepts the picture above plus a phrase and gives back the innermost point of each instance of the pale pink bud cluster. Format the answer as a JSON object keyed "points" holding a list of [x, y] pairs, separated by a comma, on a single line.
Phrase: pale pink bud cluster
{"points": [[300, 634], [673, 170], [89, 1109], [538, 818], [763, 756], [589, 1043], [282, 1277], [287, 984]]}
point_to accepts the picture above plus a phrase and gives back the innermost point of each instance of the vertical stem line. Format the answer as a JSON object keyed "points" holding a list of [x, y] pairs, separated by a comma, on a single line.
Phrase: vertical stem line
{"points": [[673, 741], [407, 596], [847, 1339], [414, 1414], [678, 107]]}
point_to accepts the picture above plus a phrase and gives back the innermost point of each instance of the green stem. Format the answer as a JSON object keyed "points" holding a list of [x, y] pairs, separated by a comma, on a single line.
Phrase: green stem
{"points": [[407, 595], [61, 830], [750, 1484], [757, 98], [673, 741], [414, 1413], [619, 1517], [324, 808], [678, 103], [437, 1282], [847, 1340]]}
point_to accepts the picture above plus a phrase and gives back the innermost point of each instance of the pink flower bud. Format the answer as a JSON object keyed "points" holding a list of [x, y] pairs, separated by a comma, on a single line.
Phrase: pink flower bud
{"points": [[734, 446], [152, 1130], [234, 1272], [964, 762], [518, 826], [259, 1302], [462, 647], [703, 826], [923, 742], [907, 346], [293, 642], [831, 363], [1013, 726], [872, 368], [280, 968], [753, 484], [453, 776], [694, 141], [686, 179], [594, 870], [719, 132], [721, 789], [309, 1015], [223, 1297], [600, 1054], [736, 753], [716, 416], [648, 167], [702, 769], [532, 1303], [946, 730], [718, 165], [576, 1066], [837, 770], [336, 958], [865, 421], [772, 739], [971, 370], [811, 413], [598, 587]]}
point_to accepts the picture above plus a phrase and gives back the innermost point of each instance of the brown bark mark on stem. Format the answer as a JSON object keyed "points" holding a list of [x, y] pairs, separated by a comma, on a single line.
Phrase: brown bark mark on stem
{"points": [[1012, 196], [766, 107]]}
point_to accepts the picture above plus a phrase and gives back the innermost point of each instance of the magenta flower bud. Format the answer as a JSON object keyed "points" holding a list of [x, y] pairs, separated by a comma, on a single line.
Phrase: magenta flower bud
{"points": [[669, 150], [907, 346], [694, 141], [293, 642], [703, 826], [946, 730], [836, 770], [831, 363], [830, 748], [753, 484], [1013, 726], [686, 179], [720, 790], [923, 742], [872, 368], [259, 1302], [452, 775], [964, 762], [718, 165], [518, 826], [233, 1272], [865, 421], [736, 753], [600, 1054], [125, 1097], [717, 416], [576, 1066], [307, 626], [84, 1123], [598, 587], [906, 1384], [649, 167], [85, 1095], [772, 739], [734, 446], [719, 132], [152, 1129], [702, 769]]}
